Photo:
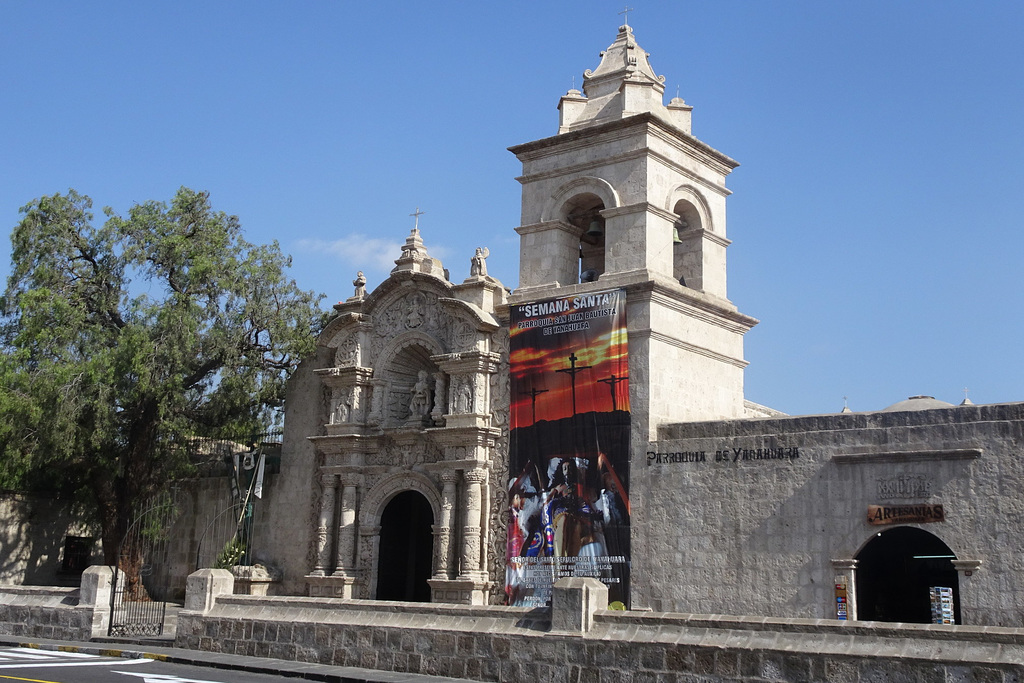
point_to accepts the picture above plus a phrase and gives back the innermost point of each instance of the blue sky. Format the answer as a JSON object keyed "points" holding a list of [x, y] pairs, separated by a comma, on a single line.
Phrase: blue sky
{"points": [[877, 213]]}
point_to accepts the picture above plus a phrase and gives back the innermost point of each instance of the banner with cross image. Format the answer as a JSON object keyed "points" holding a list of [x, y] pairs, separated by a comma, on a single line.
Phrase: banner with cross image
{"points": [[569, 446]]}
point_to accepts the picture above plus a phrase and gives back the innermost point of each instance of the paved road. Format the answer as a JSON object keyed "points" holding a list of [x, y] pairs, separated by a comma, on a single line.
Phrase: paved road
{"points": [[43, 666], [50, 661]]}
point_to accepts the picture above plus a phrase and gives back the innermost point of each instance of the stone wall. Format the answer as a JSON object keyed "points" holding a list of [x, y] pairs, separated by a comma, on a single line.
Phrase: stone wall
{"points": [[32, 540], [757, 516], [58, 613], [508, 644]]}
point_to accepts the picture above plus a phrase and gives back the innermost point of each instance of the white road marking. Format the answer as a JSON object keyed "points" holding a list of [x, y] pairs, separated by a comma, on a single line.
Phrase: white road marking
{"points": [[57, 663], [35, 653], [162, 678]]}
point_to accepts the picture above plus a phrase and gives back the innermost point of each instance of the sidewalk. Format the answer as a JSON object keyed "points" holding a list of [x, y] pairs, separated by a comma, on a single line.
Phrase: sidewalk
{"points": [[216, 660]]}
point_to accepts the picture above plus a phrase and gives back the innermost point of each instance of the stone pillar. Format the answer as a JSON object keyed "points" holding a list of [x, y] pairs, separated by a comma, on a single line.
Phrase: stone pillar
{"points": [[94, 594], [472, 565], [845, 569], [323, 544], [574, 601], [443, 529], [969, 606], [202, 588], [345, 559]]}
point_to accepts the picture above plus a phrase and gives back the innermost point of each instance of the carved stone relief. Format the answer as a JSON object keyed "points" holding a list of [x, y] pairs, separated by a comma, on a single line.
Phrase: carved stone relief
{"points": [[463, 337], [347, 355], [414, 311]]}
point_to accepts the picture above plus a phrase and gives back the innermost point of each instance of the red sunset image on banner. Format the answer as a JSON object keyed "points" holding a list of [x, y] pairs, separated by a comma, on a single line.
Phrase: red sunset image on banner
{"points": [[569, 446]]}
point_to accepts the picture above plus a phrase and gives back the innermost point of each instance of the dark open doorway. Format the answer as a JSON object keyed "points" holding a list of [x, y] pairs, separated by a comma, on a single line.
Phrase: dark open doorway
{"points": [[406, 549], [895, 571]]}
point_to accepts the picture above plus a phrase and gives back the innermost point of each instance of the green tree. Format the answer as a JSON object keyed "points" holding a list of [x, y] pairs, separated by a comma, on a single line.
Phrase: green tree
{"points": [[122, 342]]}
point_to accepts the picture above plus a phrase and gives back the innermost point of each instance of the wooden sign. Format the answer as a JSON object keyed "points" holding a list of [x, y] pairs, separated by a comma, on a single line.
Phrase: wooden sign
{"points": [[904, 514]]}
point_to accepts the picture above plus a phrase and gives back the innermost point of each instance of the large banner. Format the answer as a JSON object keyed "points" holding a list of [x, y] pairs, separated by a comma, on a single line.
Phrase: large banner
{"points": [[569, 446]]}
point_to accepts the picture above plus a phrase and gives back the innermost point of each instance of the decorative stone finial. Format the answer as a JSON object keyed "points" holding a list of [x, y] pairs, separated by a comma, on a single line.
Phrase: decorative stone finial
{"points": [[415, 257]]}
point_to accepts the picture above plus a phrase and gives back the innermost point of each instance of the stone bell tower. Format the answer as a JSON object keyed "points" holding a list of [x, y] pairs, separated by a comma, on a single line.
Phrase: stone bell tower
{"points": [[625, 196]]}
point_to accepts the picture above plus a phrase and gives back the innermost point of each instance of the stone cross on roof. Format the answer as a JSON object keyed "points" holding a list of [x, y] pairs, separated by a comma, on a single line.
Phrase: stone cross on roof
{"points": [[416, 215]]}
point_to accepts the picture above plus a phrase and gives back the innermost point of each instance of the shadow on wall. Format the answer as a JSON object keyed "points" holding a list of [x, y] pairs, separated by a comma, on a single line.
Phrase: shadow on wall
{"points": [[42, 542]]}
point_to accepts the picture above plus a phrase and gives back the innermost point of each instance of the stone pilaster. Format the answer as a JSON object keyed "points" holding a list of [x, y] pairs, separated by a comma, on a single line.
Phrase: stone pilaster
{"points": [[965, 569], [847, 569]]}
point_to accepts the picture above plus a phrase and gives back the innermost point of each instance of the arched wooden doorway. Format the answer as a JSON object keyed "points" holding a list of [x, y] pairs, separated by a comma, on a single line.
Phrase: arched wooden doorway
{"points": [[406, 549], [895, 571]]}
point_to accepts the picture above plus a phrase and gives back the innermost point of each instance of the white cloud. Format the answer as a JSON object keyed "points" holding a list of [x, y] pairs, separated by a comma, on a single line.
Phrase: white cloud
{"points": [[359, 251]]}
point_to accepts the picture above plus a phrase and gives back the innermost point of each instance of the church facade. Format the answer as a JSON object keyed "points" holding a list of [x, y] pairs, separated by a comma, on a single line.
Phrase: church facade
{"points": [[396, 481]]}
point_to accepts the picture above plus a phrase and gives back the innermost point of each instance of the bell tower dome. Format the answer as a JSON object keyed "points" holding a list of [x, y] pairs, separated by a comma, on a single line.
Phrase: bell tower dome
{"points": [[625, 197]]}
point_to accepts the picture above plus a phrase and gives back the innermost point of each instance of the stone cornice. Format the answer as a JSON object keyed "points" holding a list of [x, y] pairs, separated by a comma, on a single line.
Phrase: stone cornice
{"points": [[484, 320], [584, 167], [548, 225], [694, 304], [652, 122], [692, 348], [709, 235], [339, 323], [666, 215], [337, 377], [468, 361]]}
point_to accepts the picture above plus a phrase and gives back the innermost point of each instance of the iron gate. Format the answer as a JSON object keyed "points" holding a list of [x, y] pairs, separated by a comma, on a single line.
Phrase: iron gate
{"points": [[141, 584]]}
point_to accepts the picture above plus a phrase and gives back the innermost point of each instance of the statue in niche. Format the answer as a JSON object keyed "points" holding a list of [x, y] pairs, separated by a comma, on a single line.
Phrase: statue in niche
{"points": [[343, 407], [478, 264], [464, 397], [419, 403]]}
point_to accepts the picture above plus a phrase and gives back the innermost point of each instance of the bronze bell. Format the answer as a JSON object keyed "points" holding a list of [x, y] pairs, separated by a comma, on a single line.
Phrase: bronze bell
{"points": [[675, 231], [595, 229]]}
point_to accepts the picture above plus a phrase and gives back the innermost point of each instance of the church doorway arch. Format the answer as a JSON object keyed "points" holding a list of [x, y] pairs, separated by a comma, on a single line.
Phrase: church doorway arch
{"points": [[406, 548], [895, 571]]}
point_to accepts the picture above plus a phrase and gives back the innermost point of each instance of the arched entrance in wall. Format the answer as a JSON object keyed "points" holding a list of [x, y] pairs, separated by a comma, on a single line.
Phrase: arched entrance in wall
{"points": [[895, 571], [406, 549]]}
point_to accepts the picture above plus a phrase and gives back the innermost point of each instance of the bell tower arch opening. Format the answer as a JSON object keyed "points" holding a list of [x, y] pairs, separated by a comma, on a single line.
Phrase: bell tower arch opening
{"points": [[583, 212], [406, 550], [687, 255], [895, 572]]}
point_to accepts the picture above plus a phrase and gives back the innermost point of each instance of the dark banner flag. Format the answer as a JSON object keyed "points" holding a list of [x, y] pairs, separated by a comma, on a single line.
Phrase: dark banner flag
{"points": [[569, 446]]}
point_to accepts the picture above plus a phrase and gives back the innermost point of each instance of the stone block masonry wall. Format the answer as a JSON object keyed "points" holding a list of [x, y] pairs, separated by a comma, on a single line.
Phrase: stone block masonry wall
{"points": [[757, 516], [511, 645], [59, 613], [44, 613]]}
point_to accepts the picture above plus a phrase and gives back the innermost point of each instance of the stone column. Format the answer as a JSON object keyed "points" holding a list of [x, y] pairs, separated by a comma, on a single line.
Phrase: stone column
{"points": [[323, 545], [440, 404], [377, 388], [471, 550], [443, 529], [344, 564], [845, 569]]}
